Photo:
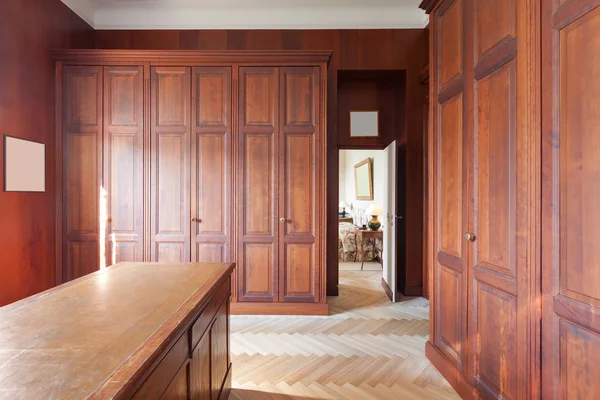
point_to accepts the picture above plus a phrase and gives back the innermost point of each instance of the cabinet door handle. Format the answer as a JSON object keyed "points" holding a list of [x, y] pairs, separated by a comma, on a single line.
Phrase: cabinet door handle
{"points": [[470, 237], [282, 220], [194, 219]]}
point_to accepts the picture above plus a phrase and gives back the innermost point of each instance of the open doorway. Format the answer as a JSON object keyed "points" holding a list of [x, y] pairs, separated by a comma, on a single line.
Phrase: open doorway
{"points": [[361, 192]]}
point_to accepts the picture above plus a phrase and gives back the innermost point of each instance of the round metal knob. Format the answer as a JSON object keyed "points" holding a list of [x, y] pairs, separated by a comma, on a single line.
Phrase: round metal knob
{"points": [[469, 237], [282, 220], [194, 219]]}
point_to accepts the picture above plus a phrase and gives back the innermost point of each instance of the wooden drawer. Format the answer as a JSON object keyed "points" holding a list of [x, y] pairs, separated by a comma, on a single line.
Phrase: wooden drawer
{"points": [[158, 381], [204, 320]]}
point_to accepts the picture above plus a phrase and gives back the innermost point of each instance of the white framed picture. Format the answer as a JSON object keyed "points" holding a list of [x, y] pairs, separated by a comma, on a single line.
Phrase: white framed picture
{"points": [[24, 165], [364, 124]]}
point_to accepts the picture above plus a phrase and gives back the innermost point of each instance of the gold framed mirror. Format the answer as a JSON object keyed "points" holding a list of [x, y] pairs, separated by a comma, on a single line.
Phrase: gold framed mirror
{"points": [[363, 180]]}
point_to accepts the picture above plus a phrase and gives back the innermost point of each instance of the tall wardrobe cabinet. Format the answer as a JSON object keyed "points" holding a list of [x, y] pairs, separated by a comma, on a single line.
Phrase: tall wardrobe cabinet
{"points": [[484, 332], [514, 155], [174, 156]]}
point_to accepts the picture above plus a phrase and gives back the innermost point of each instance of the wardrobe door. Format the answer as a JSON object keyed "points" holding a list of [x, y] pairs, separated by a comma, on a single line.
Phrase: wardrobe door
{"points": [[169, 164], [82, 170], [500, 304], [570, 193], [299, 167], [211, 199], [450, 186], [123, 181], [258, 220]]}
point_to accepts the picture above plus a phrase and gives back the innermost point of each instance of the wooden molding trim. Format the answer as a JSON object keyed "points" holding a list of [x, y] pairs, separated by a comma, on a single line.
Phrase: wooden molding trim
{"points": [[261, 308], [387, 289], [428, 5], [449, 371], [504, 53], [451, 90], [191, 57]]}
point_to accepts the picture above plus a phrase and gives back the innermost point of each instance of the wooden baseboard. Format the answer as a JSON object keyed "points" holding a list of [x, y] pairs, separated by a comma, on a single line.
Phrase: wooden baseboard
{"points": [[249, 308], [387, 289], [226, 389], [333, 290], [452, 375]]}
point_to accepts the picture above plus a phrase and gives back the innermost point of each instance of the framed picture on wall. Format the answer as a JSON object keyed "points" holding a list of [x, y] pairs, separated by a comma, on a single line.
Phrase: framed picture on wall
{"points": [[24, 165], [363, 180], [364, 124]]}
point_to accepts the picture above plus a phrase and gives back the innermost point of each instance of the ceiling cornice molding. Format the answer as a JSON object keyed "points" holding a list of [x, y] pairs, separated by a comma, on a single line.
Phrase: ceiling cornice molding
{"points": [[164, 17], [83, 8], [260, 27]]}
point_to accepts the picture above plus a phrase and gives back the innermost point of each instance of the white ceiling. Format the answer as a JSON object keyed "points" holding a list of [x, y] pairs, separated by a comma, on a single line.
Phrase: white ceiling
{"points": [[249, 14]]}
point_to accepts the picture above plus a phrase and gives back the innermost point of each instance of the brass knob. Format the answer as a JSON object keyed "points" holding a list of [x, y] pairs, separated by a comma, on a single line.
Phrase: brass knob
{"points": [[109, 219], [469, 237], [194, 219], [282, 220]]}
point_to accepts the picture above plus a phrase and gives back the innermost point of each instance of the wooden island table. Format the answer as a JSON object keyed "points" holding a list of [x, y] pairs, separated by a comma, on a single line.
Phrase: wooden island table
{"points": [[133, 330]]}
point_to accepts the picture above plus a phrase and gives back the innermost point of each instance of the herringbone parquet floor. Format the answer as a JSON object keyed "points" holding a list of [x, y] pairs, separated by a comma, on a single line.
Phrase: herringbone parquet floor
{"points": [[367, 348]]}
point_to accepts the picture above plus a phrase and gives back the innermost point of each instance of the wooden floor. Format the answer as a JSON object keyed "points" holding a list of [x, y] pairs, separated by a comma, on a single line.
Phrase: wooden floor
{"points": [[367, 348]]}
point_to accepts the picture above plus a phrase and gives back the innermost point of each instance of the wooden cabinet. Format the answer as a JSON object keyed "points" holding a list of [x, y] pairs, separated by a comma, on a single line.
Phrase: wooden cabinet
{"points": [[570, 216], [132, 331], [482, 139], [197, 366], [280, 167], [194, 156]]}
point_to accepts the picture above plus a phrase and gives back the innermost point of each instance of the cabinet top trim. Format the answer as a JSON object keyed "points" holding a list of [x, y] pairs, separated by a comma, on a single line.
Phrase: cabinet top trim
{"points": [[192, 57], [428, 5]]}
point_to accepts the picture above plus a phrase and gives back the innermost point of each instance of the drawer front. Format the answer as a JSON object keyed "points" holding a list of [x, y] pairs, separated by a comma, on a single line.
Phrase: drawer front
{"points": [[162, 376], [204, 320]]}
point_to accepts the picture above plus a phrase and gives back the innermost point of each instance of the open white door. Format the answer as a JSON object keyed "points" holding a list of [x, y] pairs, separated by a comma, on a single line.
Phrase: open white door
{"points": [[388, 220]]}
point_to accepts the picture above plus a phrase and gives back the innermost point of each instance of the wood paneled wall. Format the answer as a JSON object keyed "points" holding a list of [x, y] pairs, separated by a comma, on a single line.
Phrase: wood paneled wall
{"points": [[29, 30], [352, 50]]}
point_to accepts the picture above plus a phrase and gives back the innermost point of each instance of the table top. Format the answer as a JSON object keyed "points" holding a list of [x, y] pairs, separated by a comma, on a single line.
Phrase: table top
{"points": [[377, 232], [91, 335]]}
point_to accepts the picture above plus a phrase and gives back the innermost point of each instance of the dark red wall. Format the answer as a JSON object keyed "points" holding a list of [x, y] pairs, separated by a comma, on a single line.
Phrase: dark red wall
{"points": [[377, 49], [29, 29]]}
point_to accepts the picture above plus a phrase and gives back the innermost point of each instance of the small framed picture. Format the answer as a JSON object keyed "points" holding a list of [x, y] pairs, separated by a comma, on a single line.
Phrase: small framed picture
{"points": [[24, 165], [364, 124]]}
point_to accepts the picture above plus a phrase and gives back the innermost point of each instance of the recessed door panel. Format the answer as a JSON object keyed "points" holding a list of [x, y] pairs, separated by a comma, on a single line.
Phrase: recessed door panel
{"points": [[169, 164], [298, 186], [82, 171], [211, 158], [257, 166], [123, 163], [570, 190]]}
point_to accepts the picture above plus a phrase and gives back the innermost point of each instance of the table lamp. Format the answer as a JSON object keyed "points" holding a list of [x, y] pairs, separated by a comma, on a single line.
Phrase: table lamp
{"points": [[343, 205], [374, 210]]}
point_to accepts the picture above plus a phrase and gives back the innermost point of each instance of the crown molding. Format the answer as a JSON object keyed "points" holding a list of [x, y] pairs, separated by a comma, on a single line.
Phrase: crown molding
{"points": [[83, 8], [161, 16]]}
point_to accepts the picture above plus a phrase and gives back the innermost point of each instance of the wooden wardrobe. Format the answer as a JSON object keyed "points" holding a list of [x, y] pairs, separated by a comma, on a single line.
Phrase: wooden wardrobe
{"points": [[514, 182], [178, 156]]}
